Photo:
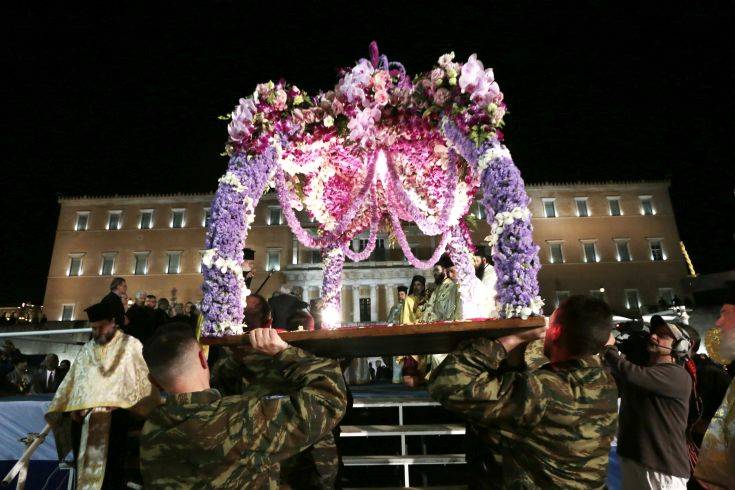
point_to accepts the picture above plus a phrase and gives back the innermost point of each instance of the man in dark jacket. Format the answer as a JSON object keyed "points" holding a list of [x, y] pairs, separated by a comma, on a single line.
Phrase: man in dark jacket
{"points": [[141, 319], [285, 305], [654, 410], [49, 376], [161, 312], [118, 290]]}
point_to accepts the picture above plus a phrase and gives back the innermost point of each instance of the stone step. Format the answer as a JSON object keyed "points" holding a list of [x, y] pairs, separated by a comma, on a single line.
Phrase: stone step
{"points": [[406, 401], [401, 430], [417, 459]]}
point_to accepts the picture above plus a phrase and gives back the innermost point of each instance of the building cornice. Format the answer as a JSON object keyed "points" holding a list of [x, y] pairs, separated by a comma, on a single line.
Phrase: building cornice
{"points": [[208, 196]]}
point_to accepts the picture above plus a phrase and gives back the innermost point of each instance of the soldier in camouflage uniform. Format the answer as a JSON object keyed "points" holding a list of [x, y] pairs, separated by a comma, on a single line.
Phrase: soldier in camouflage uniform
{"points": [[552, 426], [245, 372], [199, 439]]}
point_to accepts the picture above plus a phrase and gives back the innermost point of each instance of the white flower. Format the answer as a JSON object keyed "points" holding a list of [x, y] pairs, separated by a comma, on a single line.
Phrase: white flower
{"points": [[445, 59], [221, 264], [208, 257], [328, 121], [232, 180]]}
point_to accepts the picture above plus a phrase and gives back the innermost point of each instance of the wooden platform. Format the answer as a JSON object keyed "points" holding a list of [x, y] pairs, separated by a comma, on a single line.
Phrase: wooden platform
{"points": [[389, 340]]}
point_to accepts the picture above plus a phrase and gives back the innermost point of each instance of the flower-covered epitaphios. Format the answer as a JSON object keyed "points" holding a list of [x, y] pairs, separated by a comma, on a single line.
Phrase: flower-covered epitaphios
{"points": [[378, 150]]}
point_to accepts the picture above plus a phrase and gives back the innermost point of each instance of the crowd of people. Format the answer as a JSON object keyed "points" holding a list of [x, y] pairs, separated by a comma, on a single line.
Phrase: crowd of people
{"points": [[267, 415], [17, 377]]}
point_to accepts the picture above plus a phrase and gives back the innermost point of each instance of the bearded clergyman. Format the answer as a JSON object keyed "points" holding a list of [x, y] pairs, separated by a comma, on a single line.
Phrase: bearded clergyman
{"points": [[101, 398]]}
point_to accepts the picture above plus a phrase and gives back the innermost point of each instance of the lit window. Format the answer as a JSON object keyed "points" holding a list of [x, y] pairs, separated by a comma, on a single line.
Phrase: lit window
{"points": [[598, 293], [75, 265], [82, 221], [632, 299], [274, 215], [614, 205], [173, 263], [647, 206], [295, 251], [207, 217], [141, 263], [657, 249], [622, 247], [67, 313], [549, 207], [556, 254], [146, 219], [561, 296], [666, 295], [479, 211], [582, 209], [590, 252], [273, 259], [108, 264], [114, 219], [177, 218]]}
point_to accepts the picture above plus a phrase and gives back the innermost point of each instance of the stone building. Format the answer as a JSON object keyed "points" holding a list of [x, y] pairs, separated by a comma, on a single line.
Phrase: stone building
{"points": [[618, 240]]}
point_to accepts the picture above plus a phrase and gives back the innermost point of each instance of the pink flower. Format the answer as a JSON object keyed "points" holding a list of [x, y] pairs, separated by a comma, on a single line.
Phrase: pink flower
{"points": [[362, 126], [441, 96], [473, 73], [381, 98], [281, 98], [262, 89], [381, 79], [241, 125], [337, 107], [478, 82], [362, 72], [437, 75]]}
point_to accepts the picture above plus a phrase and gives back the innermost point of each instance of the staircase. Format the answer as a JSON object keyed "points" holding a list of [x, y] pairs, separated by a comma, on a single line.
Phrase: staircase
{"points": [[425, 436]]}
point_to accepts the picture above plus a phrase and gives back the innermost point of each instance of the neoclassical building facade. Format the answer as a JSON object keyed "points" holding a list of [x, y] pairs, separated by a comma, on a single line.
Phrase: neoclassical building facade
{"points": [[618, 240]]}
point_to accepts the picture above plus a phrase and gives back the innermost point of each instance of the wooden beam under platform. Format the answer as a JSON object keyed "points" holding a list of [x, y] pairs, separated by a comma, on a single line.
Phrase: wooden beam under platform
{"points": [[389, 340]]}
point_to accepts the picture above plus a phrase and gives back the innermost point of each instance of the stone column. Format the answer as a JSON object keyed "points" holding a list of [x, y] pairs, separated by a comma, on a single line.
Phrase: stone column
{"points": [[374, 303], [390, 298], [356, 304]]}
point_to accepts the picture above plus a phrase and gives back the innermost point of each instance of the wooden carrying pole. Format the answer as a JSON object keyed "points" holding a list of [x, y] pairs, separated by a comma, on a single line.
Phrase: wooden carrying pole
{"points": [[390, 340], [21, 467]]}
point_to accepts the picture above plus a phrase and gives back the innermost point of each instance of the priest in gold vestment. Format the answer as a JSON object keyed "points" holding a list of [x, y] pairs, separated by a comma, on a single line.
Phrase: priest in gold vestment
{"points": [[716, 465], [107, 382]]}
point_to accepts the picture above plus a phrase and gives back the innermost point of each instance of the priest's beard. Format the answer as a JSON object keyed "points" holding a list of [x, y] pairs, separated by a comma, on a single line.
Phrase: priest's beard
{"points": [[104, 337], [480, 271], [727, 344]]}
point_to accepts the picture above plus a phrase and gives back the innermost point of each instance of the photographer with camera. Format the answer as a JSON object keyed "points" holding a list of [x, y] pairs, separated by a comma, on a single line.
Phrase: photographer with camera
{"points": [[652, 442]]}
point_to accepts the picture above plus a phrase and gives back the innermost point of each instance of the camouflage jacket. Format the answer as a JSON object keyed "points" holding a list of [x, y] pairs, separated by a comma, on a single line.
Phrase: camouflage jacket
{"points": [[204, 440], [257, 375], [554, 425]]}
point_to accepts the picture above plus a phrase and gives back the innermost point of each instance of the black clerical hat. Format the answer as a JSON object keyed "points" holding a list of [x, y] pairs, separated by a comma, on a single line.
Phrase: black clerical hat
{"points": [[248, 254], [730, 295], [100, 311], [445, 261]]}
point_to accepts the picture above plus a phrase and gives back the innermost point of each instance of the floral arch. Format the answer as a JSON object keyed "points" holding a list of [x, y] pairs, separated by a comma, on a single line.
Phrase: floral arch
{"points": [[377, 150]]}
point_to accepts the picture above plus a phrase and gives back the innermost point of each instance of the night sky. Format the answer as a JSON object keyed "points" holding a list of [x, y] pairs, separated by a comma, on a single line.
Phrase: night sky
{"points": [[101, 101]]}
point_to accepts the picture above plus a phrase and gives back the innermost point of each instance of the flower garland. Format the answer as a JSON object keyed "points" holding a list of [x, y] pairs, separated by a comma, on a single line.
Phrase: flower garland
{"points": [[378, 143], [514, 253], [233, 211], [403, 242], [372, 240], [334, 260]]}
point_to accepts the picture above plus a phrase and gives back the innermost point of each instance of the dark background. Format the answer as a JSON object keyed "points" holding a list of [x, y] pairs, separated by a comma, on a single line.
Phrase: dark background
{"points": [[124, 99]]}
